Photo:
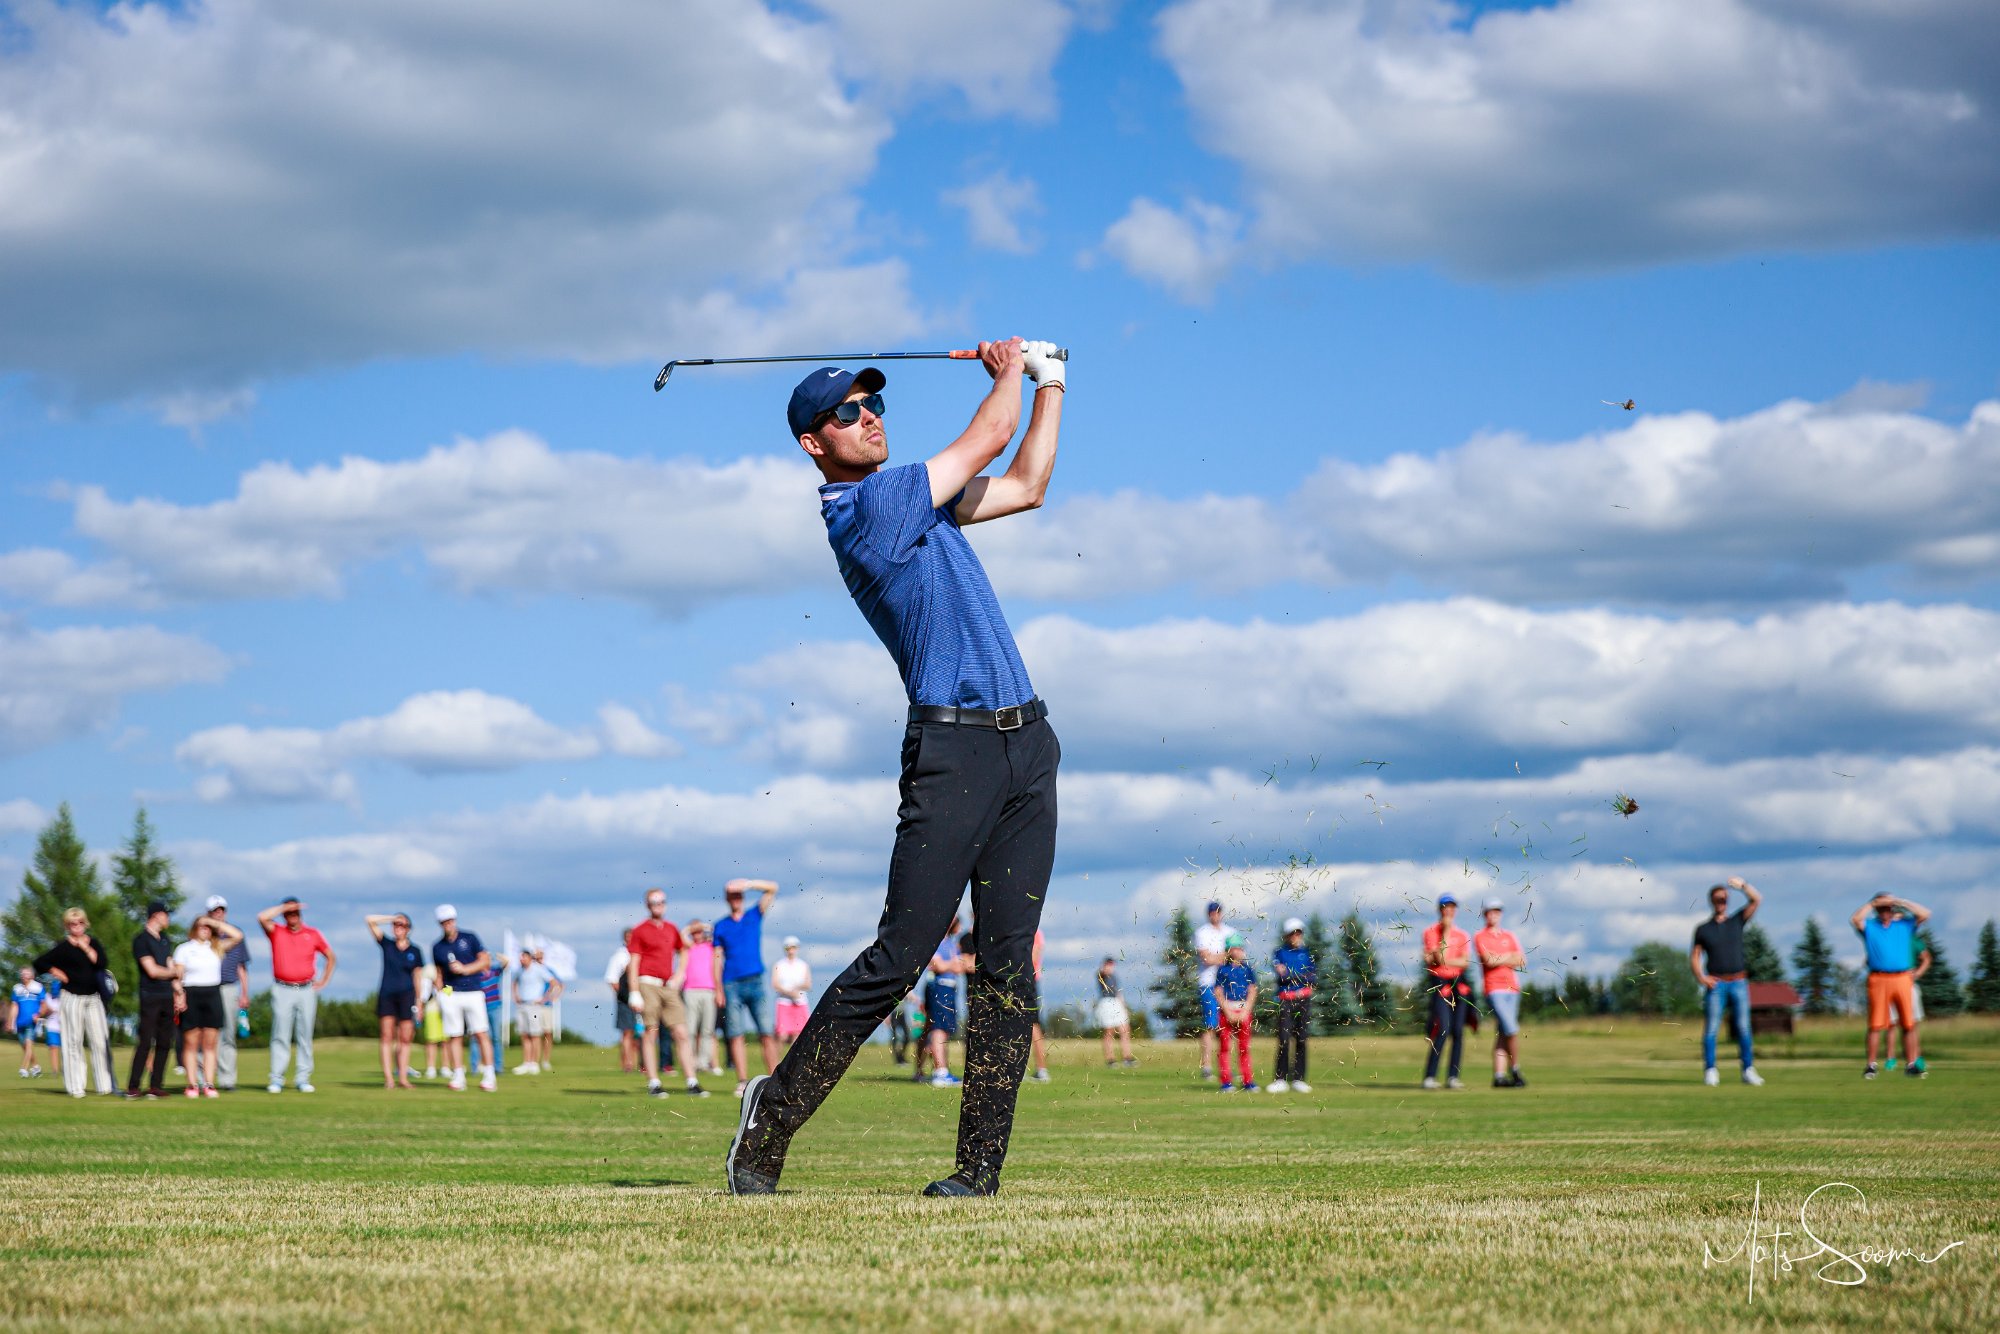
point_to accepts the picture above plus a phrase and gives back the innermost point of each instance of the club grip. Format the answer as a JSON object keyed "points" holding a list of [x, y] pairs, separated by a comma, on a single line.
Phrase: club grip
{"points": [[972, 354]]}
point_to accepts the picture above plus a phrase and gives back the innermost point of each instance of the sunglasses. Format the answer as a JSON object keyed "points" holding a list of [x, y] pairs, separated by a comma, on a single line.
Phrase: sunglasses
{"points": [[849, 412]]}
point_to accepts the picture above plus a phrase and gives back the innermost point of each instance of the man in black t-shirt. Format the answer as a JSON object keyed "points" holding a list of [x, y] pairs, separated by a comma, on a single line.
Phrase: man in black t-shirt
{"points": [[158, 999], [1719, 965]]}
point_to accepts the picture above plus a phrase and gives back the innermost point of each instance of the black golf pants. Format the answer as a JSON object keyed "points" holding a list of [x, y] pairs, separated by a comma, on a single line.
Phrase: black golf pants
{"points": [[978, 808], [1294, 1019], [155, 1039]]}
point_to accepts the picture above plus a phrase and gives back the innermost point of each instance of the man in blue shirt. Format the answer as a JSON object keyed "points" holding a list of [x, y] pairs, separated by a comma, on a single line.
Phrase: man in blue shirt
{"points": [[462, 963], [1890, 938], [978, 760], [746, 995]]}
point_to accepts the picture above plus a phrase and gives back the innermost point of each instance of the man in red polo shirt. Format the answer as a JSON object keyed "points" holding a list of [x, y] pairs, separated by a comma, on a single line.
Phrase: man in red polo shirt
{"points": [[1447, 950], [295, 951], [655, 975]]}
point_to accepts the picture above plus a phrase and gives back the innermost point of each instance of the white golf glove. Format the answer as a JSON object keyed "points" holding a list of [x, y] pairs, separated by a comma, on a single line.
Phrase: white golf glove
{"points": [[1038, 361]]}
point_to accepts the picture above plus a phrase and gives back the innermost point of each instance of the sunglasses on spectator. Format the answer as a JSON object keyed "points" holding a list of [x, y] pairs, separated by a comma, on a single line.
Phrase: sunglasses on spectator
{"points": [[849, 412]]}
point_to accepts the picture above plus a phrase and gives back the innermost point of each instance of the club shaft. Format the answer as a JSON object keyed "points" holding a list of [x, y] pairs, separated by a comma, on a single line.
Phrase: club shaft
{"points": [[957, 354]]}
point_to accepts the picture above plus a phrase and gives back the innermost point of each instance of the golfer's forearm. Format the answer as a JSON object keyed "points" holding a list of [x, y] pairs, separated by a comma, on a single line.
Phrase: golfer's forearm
{"points": [[1035, 461]]}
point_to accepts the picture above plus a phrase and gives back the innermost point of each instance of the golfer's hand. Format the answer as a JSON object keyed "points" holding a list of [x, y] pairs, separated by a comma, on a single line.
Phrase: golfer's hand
{"points": [[1734, 882], [1001, 358], [1038, 362]]}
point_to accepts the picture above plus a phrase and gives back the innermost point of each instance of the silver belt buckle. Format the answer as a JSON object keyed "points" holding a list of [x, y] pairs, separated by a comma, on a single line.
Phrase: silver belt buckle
{"points": [[1009, 719]]}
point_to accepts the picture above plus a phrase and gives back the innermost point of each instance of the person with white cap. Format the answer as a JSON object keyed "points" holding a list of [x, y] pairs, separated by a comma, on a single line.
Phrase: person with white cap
{"points": [[1296, 972], [462, 961], [792, 979], [235, 987], [1499, 955], [1447, 951]]}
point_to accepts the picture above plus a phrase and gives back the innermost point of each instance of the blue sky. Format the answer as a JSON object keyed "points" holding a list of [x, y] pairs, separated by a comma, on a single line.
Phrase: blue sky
{"points": [[341, 527]]}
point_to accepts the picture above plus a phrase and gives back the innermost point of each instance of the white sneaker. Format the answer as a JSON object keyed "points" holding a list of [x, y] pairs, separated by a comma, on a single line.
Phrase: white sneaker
{"points": [[274, 1088], [489, 1084], [1454, 1083], [1278, 1086], [527, 1068], [740, 1088], [1750, 1075], [305, 1088], [24, 1072], [431, 1073], [1710, 1078], [1042, 1075], [1431, 1083], [1300, 1086], [718, 1072], [456, 1083]]}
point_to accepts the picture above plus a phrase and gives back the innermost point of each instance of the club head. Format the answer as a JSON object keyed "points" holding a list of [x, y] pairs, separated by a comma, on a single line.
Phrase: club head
{"points": [[660, 380]]}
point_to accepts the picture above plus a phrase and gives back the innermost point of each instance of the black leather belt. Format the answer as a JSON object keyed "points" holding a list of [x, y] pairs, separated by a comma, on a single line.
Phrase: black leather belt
{"points": [[1009, 719]]}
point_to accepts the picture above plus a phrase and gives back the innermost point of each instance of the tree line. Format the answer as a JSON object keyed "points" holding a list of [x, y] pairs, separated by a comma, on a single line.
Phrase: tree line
{"points": [[1654, 979]]}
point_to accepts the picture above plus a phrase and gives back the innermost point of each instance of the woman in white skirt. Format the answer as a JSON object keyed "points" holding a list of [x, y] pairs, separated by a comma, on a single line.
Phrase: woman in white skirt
{"points": [[1113, 1020]]}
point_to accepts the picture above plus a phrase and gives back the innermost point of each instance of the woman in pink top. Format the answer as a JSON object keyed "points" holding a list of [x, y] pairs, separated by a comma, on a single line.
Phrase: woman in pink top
{"points": [[792, 979], [701, 994]]}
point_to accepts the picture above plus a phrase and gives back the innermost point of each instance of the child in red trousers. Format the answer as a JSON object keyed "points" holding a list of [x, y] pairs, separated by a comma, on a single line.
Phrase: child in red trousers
{"points": [[1235, 996]]}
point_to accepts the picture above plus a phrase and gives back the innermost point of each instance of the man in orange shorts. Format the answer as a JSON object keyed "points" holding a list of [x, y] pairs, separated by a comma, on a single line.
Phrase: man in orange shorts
{"points": [[1890, 937]]}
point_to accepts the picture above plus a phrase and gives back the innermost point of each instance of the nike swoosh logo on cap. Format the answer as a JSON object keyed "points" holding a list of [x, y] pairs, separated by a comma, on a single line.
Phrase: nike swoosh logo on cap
{"points": [[833, 373]]}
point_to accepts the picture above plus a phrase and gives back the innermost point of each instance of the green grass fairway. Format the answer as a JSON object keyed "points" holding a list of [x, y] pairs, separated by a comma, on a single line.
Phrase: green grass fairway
{"points": [[1134, 1199]]}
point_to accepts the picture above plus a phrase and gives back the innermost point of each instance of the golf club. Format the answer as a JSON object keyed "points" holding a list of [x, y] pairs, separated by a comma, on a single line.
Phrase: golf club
{"points": [[959, 354]]}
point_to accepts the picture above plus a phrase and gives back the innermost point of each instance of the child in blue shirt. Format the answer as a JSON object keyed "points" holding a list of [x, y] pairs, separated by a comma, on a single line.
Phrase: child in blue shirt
{"points": [[1235, 996], [24, 1018], [1295, 972]]}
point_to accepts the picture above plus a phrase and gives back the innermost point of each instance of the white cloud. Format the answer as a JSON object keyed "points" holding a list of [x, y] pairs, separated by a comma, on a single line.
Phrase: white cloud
{"points": [[996, 207], [21, 816], [1463, 683], [1791, 501], [363, 179], [626, 733], [440, 731], [1593, 133], [265, 764], [909, 47], [57, 683], [1796, 500], [1188, 251], [1134, 846], [506, 512]]}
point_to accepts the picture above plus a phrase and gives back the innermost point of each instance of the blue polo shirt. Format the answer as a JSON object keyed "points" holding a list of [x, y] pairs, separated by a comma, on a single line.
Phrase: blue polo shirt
{"points": [[464, 949], [1891, 948], [741, 941], [916, 579], [1235, 979], [399, 966], [1295, 968]]}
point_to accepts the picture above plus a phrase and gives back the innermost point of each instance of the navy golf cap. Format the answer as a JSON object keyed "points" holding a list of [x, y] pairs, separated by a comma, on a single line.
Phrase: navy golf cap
{"points": [[824, 389]]}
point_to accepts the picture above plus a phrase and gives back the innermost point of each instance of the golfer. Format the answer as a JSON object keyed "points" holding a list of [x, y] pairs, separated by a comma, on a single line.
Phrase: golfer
{"points": [[978, 757], [1890, 938]]}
